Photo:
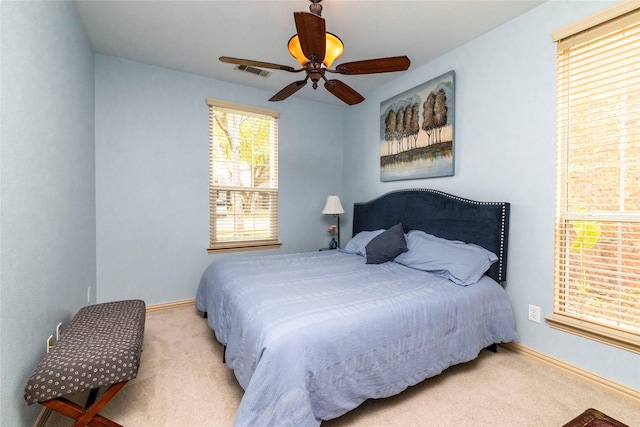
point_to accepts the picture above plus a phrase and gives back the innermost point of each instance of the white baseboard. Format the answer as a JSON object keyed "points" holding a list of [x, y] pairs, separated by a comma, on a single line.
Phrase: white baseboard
{"points": [[170, 305], [574, 370], [41, 421]]}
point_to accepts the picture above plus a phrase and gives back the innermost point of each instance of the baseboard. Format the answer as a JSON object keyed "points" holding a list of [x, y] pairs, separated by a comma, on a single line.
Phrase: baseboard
{"points": [[574, 370], [170, 305], [41, 421]]}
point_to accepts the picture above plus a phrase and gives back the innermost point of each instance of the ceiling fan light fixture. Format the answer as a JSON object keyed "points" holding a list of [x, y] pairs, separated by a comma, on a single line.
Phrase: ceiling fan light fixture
{"points": [[333, 50], [320, 55]]}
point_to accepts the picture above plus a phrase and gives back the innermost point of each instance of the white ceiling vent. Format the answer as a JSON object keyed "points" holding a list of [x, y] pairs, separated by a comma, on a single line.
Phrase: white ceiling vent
{"points": [[253, 70]]}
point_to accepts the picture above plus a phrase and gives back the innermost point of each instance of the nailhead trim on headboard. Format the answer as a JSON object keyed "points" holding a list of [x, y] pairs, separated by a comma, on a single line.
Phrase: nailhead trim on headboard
{"points": [[501, 256]]}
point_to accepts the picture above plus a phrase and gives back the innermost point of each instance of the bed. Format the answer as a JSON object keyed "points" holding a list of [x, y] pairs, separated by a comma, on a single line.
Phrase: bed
{"points": [[311, 336]]}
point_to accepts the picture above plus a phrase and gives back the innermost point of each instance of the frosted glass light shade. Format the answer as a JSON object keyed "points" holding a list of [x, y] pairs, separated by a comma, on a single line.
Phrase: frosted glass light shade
{"points": [[333, 50]]}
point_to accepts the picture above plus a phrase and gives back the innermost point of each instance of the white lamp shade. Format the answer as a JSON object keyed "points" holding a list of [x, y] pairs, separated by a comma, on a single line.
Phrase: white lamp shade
{"points": [[333, 206]]}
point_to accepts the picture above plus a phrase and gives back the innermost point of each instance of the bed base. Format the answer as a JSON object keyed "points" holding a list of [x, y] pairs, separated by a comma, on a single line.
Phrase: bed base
{"points": [[493, 348]]}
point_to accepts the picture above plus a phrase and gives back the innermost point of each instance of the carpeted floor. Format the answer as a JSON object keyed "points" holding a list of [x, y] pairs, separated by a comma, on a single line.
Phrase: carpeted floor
{"points": [[183, 382]]}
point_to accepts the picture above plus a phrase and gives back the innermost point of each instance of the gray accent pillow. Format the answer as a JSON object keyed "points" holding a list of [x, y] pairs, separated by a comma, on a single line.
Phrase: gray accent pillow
{"points": [[386, 246]]}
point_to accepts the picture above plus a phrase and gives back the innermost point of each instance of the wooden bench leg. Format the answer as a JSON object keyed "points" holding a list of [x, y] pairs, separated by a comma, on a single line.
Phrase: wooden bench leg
{"points": [[87, 416]]}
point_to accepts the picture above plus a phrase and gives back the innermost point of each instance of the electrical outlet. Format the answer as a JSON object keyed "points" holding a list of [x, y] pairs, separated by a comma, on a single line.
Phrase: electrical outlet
{"points": [[58, 331], [534, 313], [49, 343], [89, 294]]}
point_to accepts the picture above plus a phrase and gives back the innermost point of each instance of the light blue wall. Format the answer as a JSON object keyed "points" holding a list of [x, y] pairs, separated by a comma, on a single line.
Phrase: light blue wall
{"points": [[504, 142], [147, 236], [47, 214], [152, 176]]}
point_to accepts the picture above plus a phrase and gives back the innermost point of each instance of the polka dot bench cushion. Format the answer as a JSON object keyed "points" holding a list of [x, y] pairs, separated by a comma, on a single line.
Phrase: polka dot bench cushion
{"points": [[101, 346]]}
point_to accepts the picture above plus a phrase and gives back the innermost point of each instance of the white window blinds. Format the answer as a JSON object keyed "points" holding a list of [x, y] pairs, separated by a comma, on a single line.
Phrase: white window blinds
{"points": [[243, 177], [597, 217]]}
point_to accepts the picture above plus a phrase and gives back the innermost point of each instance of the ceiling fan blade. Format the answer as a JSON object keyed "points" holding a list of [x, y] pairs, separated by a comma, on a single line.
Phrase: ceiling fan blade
{"points": [[372, 66], [258, 64], [312, 34], [288, 90], [343, 91]]}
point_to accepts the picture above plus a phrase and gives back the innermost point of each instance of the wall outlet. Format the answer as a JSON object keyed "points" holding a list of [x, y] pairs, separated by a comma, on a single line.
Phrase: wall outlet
{"points": [[89, 294], [49, 343], [58, 331], [534, 313]]}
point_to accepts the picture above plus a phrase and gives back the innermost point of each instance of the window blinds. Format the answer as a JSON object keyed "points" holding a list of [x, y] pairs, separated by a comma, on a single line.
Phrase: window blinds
{"points": [[597, 240], [243, 177]]}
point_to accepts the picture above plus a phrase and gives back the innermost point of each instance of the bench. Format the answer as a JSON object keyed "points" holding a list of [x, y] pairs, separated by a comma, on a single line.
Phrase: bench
{"points": [[100, 348]]}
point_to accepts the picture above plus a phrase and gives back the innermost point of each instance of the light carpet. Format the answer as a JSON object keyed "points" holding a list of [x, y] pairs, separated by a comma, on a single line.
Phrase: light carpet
{"points": [[183, 382]]}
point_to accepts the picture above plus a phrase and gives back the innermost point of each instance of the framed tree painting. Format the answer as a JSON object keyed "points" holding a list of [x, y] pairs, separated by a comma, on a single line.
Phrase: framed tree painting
{"points": [[416, 131]]}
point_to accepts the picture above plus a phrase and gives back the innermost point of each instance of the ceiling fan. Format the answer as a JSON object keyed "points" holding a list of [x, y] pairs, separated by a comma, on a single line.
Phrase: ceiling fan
{"points": [[316, 49]]}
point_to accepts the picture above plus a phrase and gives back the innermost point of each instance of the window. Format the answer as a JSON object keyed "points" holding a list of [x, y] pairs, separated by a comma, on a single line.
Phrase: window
{"points": [[597, 219], [243, 177]]}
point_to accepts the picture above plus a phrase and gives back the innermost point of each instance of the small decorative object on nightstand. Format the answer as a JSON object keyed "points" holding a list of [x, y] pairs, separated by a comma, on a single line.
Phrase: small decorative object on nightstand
{"points": [[334, 207], [333, 231]]}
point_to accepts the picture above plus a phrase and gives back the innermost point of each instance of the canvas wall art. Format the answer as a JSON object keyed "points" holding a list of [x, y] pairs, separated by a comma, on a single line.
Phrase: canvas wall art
{"points": [[416, 131]]}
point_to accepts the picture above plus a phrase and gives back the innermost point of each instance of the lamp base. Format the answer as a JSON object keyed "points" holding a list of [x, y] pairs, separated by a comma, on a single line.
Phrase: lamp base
{"points": [[333, 244]]}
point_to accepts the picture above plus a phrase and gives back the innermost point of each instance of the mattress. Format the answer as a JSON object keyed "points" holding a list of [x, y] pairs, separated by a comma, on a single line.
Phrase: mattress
{"points": [[312, 335]]}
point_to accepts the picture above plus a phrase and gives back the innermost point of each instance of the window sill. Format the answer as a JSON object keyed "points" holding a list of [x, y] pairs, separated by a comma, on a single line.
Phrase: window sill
{"points": [[241, 247], [606, 335]]}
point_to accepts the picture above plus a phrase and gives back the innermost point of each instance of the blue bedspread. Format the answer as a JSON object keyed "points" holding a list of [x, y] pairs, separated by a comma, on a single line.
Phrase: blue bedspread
{"points": [[310, 336]]}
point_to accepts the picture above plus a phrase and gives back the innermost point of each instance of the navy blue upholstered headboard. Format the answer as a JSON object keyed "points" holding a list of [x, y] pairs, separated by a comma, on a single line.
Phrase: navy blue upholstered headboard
{"points": [[443, 215]]}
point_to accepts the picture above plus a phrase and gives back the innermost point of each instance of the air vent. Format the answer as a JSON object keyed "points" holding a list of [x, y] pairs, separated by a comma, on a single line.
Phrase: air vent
{"points": [[253, 70]]}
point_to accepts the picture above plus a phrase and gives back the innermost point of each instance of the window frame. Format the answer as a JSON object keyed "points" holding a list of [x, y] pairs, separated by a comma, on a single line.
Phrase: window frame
{"points": [[578, 32], [272, 191]]}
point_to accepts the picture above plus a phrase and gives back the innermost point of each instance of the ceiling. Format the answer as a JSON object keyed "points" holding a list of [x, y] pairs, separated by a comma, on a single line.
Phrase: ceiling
{"points": [[189, 36]]}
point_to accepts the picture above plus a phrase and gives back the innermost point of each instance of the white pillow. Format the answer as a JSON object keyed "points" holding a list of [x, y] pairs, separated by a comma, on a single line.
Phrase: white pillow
{"points": [[359, 242]]}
